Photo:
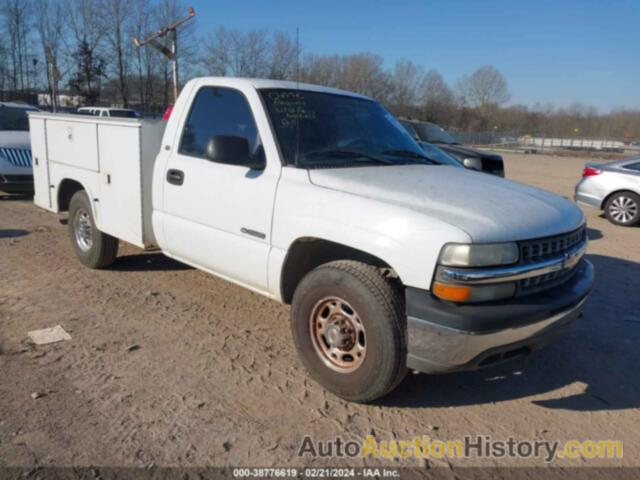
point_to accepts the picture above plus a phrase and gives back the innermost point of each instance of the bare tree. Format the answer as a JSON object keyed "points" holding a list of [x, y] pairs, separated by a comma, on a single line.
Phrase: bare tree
{"points": [[321, 69], [239, 54], [15, 13], [486, 86], [284, 56], [85, 22], [49, 25], [142, 58], [85, 59], [81, 35], [116, 17], [437, 99], [89, 71], [249, 53], [216, 58], [4, 67], [364, 73], [407, 80]]}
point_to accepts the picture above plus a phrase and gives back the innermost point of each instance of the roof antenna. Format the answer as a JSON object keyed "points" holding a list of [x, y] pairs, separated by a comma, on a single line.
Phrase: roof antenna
{"points": [[298, 95], [298, 56]]}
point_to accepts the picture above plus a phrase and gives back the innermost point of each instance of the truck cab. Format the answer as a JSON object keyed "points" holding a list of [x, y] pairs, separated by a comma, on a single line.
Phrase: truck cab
{"points": [[319, 198]]}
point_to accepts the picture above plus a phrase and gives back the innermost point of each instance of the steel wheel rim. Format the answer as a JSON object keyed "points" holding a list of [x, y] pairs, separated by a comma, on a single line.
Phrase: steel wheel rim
{"points": [[83, 230], [623, 209], [338, 334]]}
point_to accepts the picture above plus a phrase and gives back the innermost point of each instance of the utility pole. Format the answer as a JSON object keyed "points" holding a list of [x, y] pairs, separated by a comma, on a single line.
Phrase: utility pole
{"points": [[54, 76], [170, 52]]}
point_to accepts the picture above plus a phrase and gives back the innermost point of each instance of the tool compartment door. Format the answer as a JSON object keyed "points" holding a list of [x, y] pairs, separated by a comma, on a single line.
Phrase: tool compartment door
{"points": [[40, 162], [120, 199]]}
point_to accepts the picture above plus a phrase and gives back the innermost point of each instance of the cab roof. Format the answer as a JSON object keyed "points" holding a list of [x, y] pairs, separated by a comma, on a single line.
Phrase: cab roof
{"points": [[261, 83]]}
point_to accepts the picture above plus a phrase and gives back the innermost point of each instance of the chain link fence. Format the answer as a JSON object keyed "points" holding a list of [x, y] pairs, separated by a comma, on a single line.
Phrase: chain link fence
{"points": [[543, 143]]}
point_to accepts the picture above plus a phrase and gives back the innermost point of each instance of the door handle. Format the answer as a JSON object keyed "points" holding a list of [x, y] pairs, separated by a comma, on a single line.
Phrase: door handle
{"points": [[175, 177]]}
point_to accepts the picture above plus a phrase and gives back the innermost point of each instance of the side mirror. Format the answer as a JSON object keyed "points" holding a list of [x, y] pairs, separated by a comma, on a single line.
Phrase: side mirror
{"points": [[232, 150]]}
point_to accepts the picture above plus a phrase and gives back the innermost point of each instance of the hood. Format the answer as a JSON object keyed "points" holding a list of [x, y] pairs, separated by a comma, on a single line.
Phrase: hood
{"points": [[465, 152], [487, 208], [15, 139]]}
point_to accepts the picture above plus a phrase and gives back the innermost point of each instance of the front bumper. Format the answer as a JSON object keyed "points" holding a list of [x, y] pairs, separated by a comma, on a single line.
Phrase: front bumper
{"points": [[446, 337], [586, 193]]}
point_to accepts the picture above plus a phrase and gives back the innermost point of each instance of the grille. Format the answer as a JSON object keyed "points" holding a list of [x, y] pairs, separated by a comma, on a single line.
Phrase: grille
{"points": [[543, 282], [551, 247], [541, 249], [17, 157]]}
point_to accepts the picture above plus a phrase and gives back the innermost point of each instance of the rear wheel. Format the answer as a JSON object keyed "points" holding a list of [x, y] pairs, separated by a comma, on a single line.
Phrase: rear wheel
{"points": [[93, 248], [348, 326], [623, 208]]}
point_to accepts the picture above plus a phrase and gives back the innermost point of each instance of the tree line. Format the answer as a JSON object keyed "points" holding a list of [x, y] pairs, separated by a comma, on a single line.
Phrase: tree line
{"points": [[85, 48]]}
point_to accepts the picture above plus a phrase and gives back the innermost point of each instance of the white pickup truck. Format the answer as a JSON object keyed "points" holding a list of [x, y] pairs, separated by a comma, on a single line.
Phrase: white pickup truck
{"points": [[318, 198]]}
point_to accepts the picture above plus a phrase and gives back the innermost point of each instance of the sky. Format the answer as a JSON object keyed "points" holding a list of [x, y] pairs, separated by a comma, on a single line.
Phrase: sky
{"points": [[557, 52]]}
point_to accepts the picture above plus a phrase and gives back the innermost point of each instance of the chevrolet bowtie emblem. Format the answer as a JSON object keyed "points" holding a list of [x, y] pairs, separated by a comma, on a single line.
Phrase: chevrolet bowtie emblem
{"points": [[571, 259]]}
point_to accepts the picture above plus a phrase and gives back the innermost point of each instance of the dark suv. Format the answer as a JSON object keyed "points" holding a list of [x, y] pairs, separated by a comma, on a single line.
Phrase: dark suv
{"points": [[470, 158]]}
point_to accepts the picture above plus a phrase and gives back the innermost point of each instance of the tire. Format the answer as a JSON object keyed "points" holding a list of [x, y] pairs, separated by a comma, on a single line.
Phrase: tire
{"points": [[92, 247], [353, 305], [623, 208]]}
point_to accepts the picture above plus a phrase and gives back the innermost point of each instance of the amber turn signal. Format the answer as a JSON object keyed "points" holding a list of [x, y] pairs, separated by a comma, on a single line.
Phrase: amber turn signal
{"points": [[453, 293]]}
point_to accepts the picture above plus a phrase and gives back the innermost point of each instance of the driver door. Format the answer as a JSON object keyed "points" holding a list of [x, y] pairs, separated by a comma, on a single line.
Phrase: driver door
{"points": [[218, 216]]}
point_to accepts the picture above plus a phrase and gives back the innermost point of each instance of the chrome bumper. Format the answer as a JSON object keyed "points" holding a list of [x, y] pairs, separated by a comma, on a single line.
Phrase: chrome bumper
{"points": [[437, 346]]}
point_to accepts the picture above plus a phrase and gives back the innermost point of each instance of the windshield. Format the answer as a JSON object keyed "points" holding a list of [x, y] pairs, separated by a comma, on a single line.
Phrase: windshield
{"points": [[12, 118], [327, 130], [430, 132]]}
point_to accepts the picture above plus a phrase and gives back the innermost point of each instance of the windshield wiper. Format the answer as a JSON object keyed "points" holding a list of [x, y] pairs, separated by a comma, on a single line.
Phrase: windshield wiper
{"points": [[409, 154], [351, 154]]}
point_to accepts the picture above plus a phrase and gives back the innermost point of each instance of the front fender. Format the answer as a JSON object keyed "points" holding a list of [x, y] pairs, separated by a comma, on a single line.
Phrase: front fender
{"points": [[408, 241]]}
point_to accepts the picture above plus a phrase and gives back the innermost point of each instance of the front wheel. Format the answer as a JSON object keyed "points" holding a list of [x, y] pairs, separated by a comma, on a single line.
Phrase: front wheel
{"points": [[93, 248], [623, 209], [348, 327]]}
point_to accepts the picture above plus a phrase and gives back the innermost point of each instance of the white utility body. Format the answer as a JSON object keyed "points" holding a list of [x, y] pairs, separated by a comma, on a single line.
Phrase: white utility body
{"points": [[112, 158], [319, 198]]}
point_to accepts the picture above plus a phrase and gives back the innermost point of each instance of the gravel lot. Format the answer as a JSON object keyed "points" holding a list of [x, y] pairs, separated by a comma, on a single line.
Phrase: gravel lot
{"points": [[170, 366]]}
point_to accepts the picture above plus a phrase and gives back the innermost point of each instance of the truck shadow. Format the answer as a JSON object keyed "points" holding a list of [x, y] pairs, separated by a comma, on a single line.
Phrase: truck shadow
{"points": [[147, 262], [13, 233], [595, 363]]}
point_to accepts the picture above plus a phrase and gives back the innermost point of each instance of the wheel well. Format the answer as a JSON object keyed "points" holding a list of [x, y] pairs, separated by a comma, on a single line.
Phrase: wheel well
{"points": [[66, 190], [307, 253], [606, 199]]}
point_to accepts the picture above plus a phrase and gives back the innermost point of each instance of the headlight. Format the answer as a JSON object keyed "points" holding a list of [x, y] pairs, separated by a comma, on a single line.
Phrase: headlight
{"points": [[454, 284], [481, 255], [473, 163]]}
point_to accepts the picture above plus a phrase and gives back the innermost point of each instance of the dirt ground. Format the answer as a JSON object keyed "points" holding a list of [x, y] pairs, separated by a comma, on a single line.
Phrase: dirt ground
{"points": [[170, 366]]}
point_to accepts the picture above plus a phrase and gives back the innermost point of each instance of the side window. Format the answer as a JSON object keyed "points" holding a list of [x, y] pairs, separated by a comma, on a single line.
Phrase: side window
{"points": [[633, 166], [218, 111]]}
